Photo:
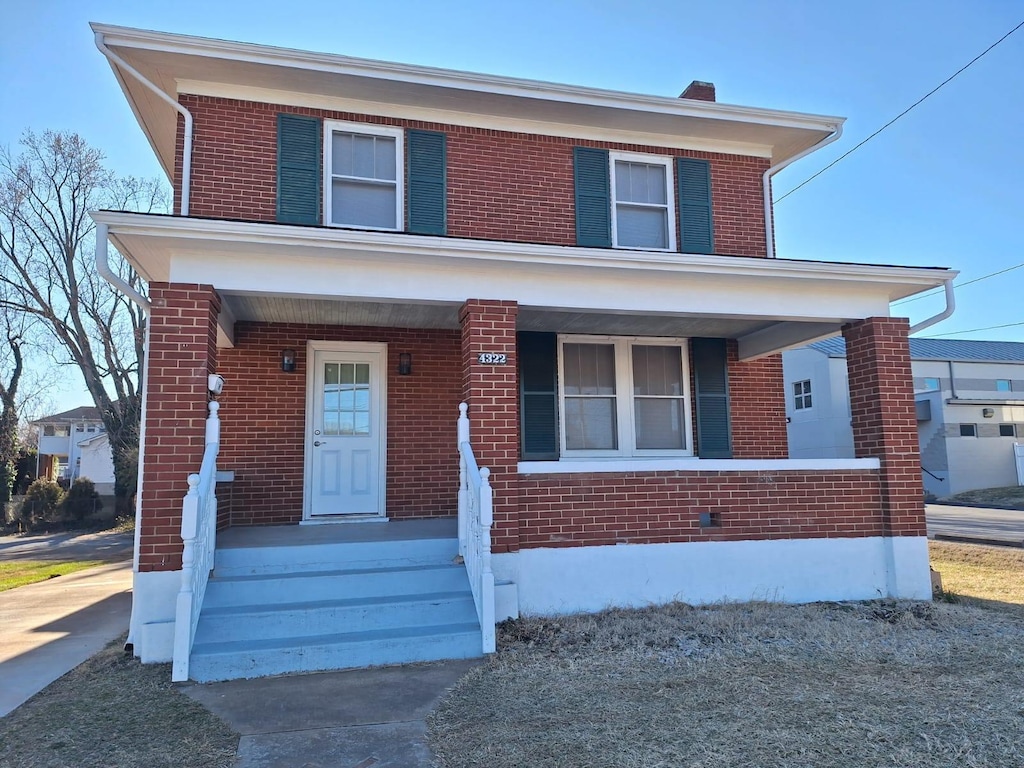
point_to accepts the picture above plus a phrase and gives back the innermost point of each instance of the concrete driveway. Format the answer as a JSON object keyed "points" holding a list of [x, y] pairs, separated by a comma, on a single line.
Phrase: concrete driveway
{"points": [[49, 628], [983, 523]]}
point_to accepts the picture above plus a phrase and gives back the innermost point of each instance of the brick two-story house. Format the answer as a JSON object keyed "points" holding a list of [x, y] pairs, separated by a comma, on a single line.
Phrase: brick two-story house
{"points": [[359, 247]]}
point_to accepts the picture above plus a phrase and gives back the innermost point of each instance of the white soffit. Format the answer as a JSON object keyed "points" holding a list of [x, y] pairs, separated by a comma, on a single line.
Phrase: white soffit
{"points": [[176, 63]]}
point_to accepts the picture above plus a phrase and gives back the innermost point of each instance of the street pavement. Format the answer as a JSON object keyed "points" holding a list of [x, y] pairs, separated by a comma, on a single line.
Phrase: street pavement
{"points": [[49, 628], [983, 523]]}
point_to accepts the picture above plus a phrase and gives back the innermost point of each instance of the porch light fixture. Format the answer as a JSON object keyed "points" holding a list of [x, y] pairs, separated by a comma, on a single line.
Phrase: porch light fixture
{"points": [[404, 364], [288, 360]]}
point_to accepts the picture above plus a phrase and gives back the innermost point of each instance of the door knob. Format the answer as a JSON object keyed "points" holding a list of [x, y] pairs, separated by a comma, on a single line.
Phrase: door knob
{"points": [[316, 442]]}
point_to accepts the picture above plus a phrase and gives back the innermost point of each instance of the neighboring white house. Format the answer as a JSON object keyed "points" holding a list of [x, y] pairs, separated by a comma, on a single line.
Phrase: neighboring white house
{"points": [[970, 408], [73, 444]]}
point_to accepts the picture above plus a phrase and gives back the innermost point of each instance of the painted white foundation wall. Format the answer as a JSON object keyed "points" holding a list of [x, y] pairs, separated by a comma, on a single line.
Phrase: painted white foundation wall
{"points": [[566, 580], [151, 630]]}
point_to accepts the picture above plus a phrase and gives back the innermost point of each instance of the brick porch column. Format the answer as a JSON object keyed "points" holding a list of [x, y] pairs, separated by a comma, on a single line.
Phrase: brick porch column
{"points": [[884, 421], [182, 352], [492, 392]]}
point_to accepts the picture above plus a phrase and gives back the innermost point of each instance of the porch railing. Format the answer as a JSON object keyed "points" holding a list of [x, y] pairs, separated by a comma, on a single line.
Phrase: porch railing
{"points": [[199, 536], [476, 517]]}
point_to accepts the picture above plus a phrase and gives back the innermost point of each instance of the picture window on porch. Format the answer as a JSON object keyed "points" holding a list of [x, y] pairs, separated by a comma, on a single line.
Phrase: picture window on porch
{"points": [[623, 396], [642, 202], [363, 179], [802, 395]]}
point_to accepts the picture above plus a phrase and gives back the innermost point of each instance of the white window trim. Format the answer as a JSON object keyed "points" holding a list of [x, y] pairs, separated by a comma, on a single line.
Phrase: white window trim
{"points": [[670, 181], [398, 134], [624, 396]]}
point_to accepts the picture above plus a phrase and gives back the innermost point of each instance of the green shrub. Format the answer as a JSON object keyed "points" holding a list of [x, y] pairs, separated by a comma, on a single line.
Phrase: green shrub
{"points": [[41, 503], [81, 500]]}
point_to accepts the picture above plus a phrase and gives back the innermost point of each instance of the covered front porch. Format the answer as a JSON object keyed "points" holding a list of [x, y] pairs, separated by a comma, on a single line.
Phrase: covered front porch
{"points": [[653, 468]]}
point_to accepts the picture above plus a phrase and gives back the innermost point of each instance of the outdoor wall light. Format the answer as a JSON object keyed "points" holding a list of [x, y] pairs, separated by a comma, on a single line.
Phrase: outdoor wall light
{"points": [[404, 364], [988, 413], [288, 360]]}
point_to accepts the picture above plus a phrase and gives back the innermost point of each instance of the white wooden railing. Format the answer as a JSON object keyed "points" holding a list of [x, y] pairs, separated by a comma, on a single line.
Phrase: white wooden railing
{"points": [[476, 516], [199, 536]]}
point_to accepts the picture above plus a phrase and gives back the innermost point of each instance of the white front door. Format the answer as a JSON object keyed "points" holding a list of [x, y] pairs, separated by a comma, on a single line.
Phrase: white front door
{"points": [[345, 443]]}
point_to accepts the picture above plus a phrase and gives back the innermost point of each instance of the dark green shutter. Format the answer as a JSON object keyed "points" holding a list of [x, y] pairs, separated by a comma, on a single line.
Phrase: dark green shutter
{"points": [[696, 223], [298, 169], [593, 214], [538, 398], [426, 193], [711, 378]]}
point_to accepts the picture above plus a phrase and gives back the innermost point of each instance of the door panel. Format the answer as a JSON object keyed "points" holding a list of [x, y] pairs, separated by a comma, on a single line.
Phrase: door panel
{"points": [[345, 437]]}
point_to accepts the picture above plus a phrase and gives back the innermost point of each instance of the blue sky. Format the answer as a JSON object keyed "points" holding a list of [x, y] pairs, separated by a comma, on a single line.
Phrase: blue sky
{"points": [[940, 187]]}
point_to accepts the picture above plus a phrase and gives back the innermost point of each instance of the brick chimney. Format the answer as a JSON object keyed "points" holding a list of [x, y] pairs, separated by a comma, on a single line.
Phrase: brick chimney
{"points": [[699, 90]]}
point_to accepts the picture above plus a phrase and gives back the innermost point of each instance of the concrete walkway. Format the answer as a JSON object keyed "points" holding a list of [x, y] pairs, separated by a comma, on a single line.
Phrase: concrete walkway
{"points": [[357, 718], [49, 628]]}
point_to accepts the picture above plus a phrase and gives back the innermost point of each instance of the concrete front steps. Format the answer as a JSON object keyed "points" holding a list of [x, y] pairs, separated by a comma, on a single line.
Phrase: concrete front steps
{"points": [[303, 599]]}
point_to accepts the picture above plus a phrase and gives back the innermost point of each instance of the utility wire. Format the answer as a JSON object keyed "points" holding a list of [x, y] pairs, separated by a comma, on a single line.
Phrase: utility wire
{"points": [[901, 114], [934, 291], [975, 330]]}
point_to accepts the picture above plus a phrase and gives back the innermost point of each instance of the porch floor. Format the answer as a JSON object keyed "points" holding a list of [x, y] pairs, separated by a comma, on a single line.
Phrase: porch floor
{"points": [[337, 533]]}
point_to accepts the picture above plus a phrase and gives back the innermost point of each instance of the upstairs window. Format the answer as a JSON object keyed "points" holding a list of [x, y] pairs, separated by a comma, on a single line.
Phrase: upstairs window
{"points": [[363, 179], [802, 395], [642, 202], [1004, 385]]}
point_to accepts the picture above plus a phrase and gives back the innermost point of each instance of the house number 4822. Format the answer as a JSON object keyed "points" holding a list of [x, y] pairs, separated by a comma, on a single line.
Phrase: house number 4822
{"points": [[492, 358]]}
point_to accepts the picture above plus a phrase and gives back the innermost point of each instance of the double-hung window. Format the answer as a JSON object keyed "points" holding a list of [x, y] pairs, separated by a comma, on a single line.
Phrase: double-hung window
{"points": [[624, 396], [643, 209], [364, 176]]}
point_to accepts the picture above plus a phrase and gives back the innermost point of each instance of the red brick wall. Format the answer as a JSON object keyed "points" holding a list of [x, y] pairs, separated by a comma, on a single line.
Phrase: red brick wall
{"points": [[182, 352], [757, 406], [644, 508], [492, 393], [501, 185], [263, 419], [884, 421]]}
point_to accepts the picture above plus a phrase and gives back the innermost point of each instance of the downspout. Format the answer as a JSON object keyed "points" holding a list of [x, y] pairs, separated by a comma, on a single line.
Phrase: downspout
{"points": [[186, 160], [769, 229], [950, 307]]}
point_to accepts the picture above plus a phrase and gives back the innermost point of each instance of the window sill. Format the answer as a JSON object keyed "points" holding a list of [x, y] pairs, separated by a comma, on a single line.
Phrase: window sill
{"points": [[569, 466]]}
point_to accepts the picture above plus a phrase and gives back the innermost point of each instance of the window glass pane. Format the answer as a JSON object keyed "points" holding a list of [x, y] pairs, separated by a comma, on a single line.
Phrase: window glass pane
{"points": [[931, 383], [384, 159], [657, 370], [362, 373], [641, 227], [640, 183], [341, 154], [1003, 385], [589, 369], [807, 401], [590, 423], [362, 423], [1006, 430], [966, 430], [363, 204], [332, 424], [362, 156], [659, 423]]}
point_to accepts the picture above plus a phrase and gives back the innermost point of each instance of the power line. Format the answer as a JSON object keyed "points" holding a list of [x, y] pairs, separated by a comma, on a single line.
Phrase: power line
{"points": [[901, 114], [934, 291], [975, 330]]}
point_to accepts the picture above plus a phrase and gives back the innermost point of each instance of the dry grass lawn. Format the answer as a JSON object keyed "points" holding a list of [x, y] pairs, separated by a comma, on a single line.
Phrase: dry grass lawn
{"points": [[1010, 496], [989, 576], [113, 712], [900, 685], [18, 573]]}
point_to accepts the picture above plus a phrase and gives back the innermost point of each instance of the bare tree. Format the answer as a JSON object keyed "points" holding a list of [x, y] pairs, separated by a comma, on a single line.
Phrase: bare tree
{"points": [[47, 271]]}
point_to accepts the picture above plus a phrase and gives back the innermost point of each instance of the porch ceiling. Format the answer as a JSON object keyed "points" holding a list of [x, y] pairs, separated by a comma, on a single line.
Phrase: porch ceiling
{"points": [[283, 273]]}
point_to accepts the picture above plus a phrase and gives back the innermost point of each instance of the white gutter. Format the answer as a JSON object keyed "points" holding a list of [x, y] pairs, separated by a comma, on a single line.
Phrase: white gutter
{"points": [[186, 162], [769, 229], [103, 267], [950, 307]]}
